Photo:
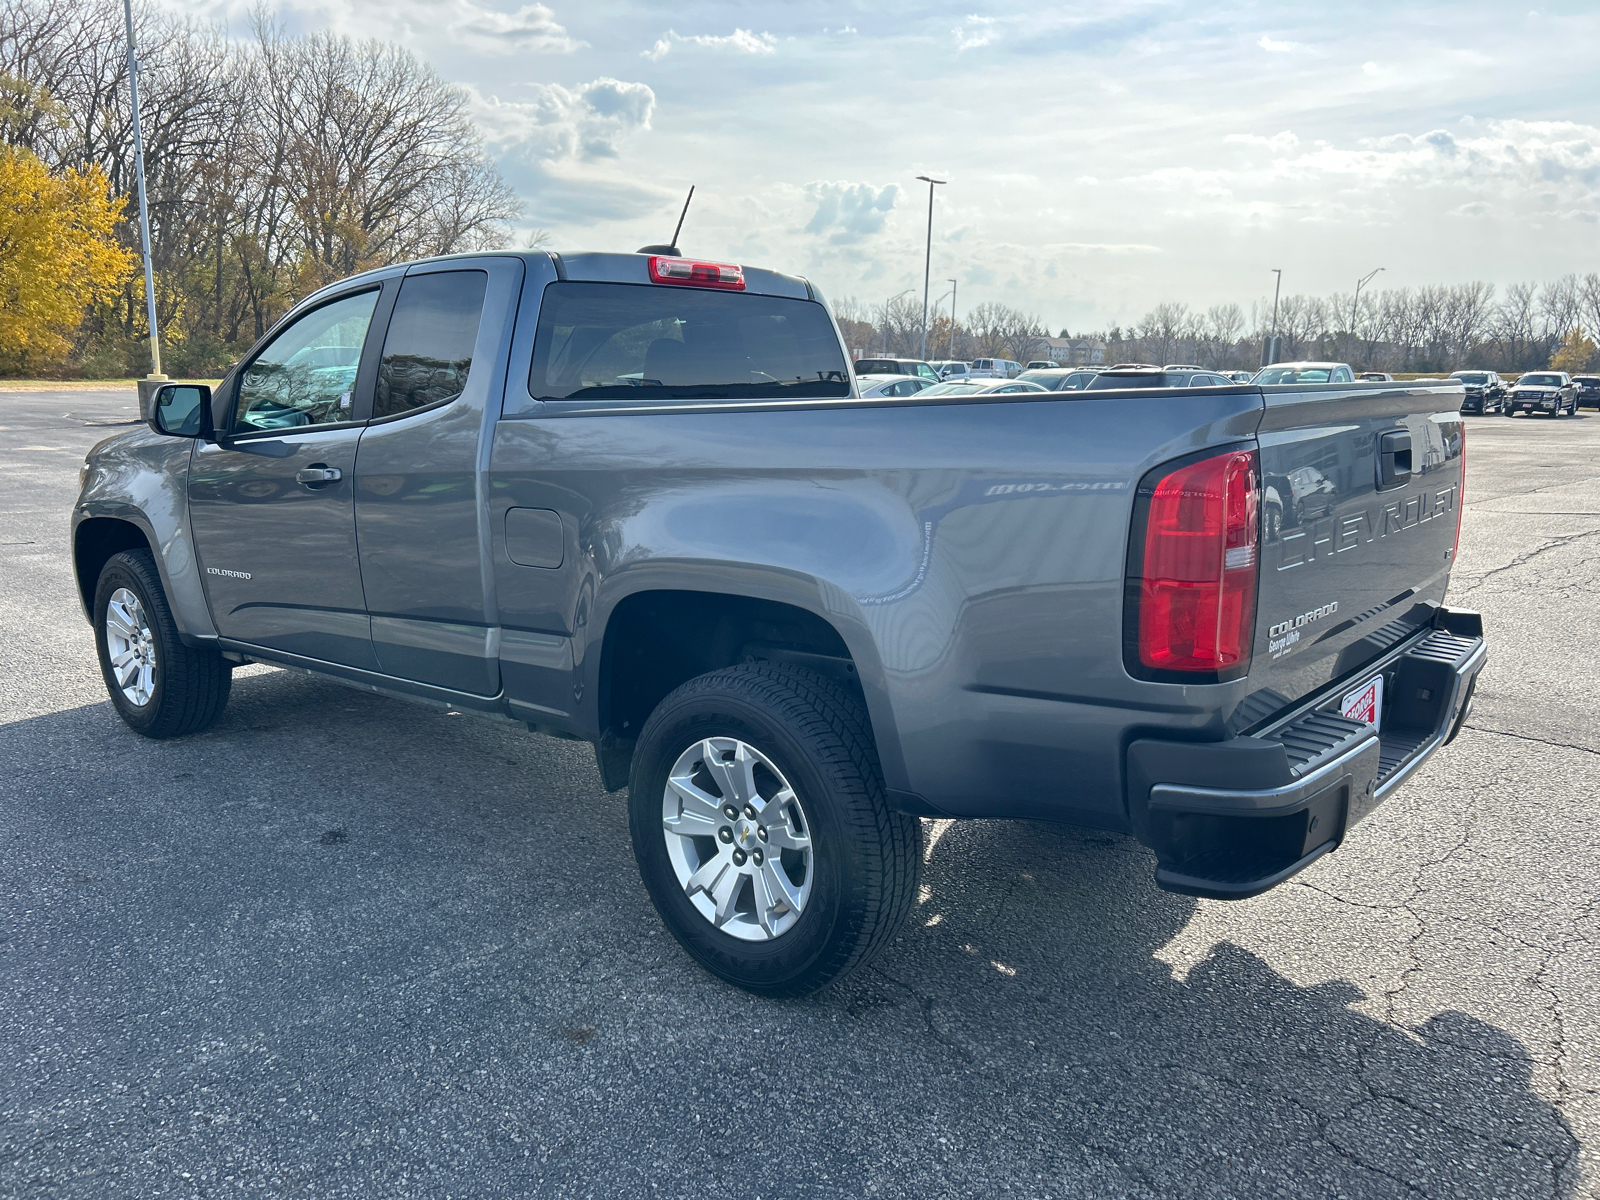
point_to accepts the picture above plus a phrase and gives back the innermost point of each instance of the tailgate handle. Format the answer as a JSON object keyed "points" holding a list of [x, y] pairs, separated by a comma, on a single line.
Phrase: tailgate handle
{"points": [[1394, 459]]}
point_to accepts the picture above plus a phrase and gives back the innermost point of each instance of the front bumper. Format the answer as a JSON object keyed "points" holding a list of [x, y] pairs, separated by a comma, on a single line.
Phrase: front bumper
{"points": [[1522, 404], [1230, 819]]}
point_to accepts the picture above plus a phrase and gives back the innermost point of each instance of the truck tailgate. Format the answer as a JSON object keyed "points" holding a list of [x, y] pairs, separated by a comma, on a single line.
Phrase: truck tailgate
{"points": [[1361, 491]]}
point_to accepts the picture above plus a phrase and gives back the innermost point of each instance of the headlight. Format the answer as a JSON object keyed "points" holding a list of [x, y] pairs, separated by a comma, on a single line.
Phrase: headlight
{"points": [[83, 474]]}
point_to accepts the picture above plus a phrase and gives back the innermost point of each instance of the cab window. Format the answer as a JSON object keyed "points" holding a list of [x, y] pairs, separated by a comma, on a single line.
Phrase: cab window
{"points": [[306, 376], [427, 351]]}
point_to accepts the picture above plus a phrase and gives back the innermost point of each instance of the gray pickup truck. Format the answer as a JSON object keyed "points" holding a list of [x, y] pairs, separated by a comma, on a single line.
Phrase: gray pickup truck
{"points": [[635, 500]]}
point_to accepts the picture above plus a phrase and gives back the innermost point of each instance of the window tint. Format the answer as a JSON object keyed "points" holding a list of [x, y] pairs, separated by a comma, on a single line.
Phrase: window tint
{"points": [[307, 374], [427, 351], [1471, 377], [927, 372], [877, 366], [620, 341]]}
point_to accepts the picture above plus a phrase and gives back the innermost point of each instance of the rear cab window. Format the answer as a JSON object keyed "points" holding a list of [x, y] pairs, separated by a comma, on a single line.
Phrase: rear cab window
{"points": [[633, 343]]}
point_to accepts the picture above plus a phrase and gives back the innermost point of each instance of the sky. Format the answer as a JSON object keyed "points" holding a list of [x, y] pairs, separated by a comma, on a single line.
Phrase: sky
{"points": [[1101, 157]]}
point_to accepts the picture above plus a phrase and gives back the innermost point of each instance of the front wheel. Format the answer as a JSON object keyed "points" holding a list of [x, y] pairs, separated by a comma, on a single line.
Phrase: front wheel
{"points": [[762, 830], [159, 686]]}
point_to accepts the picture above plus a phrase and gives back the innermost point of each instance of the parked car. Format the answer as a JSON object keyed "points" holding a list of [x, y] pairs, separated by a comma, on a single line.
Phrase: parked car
{"points": [[873, 386], [896, 366], [1376, 377], [1060, 379], [1147, 377], [1588, 390], [1240, 376], [1549, 392], [616, 497], [995, 368], [1485, 391], [953, 369], [983, 387], [1304, 372], [1041, 364]]}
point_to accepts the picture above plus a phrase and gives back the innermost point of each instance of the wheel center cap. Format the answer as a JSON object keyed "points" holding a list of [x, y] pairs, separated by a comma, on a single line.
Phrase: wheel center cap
{"points": [[744, 833]]}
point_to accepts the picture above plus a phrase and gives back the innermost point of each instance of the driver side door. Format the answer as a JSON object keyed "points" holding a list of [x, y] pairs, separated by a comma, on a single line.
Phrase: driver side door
{"points": [[272, 502]]}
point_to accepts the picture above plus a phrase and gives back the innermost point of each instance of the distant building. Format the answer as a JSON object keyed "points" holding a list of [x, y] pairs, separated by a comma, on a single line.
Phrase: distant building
{"points": [[1074, 351]]}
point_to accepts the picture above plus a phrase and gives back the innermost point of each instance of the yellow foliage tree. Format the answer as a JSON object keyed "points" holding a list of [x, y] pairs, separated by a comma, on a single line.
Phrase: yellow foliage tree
{"points": [[58, 254], [1576, 355]]}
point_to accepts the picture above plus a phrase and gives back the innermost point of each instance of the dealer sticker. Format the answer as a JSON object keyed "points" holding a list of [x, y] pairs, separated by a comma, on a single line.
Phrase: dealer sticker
{"points": [[1365, 703]]}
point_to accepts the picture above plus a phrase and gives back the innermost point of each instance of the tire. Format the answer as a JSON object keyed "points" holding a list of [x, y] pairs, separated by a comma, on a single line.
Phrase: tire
{"points": [[182, 689], [857, 878]]}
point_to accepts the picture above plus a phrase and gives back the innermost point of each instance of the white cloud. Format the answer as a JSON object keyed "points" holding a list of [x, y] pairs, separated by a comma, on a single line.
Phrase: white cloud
{"points": [[1281, 143], [975, 31], [589, 121], [1275, 46], [741, 40], [849, 212], [489, 31], [1370, 68]]}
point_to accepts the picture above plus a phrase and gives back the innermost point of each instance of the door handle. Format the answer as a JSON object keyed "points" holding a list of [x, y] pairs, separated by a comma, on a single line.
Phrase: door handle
{"points": [[1394, 459], [314, 475]]}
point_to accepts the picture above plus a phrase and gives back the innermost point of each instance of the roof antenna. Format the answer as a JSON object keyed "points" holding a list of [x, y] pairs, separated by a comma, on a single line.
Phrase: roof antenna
{"points": [[671, 248]]}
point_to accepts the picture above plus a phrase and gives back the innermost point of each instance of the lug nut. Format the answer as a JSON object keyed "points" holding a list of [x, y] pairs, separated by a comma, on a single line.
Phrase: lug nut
{"points": [[738, 858], [761, 832], [725, 834], [750, 811], [730, 812], [759, 857]]}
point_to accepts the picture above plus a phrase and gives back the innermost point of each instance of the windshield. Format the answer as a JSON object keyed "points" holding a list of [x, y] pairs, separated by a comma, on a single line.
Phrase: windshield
{"points": [[878, 366], [1151, 379], [1539, 381], [1049, 380], [622, 341], [1471, 377], [951, 389], [1294, 375]]}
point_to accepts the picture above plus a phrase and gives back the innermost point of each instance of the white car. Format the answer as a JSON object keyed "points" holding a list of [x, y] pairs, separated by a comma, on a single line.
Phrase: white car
{"points": [[1305, 372], [952, 369], [979, 387], [994, 368], [873, 386]]}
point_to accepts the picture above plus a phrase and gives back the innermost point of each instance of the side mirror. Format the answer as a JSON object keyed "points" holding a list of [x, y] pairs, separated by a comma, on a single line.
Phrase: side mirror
{"points": [[181, 410]]}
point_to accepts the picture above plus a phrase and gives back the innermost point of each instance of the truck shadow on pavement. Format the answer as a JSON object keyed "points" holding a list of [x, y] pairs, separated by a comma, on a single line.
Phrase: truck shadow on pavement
{"points": [[372, 947]]}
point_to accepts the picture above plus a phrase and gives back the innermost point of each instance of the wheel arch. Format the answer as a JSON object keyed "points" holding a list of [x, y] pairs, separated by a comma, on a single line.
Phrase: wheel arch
{"points": [[655, 638], [94, 541]]}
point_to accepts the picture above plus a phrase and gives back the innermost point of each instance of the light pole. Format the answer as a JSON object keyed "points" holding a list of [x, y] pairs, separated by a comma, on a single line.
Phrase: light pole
{"points": [[1360, 283], [936, 304], [1272, 342], [927, 262], [885, 339], [952, 318], [144, 212]]}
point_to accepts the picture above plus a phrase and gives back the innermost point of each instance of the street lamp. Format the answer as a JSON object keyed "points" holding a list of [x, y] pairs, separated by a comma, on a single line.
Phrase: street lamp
{"points": [[952, 318], [144, 212], [1271, 355], [927, 262], [1360, 283], [885, 352], [940, 301]]}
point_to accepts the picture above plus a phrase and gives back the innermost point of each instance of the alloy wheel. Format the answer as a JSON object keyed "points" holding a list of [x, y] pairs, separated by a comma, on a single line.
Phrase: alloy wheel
{"points": [[130, 645], [738, 839]]}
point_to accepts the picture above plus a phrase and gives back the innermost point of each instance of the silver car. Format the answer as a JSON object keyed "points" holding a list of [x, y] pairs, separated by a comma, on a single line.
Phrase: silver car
{"points": [[874, 386]]}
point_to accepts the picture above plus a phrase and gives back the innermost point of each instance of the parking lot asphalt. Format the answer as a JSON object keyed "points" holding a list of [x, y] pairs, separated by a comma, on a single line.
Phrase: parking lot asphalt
{"points": [[344, 946]]}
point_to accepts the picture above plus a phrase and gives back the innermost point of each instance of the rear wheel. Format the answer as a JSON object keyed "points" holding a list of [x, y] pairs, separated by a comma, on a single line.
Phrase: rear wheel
{"points": [[159, 686], [762, 831]]}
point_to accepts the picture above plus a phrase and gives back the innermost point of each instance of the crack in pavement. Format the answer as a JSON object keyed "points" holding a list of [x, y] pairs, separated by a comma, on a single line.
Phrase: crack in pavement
{"points": [[1523, 737], [1523, 559]]}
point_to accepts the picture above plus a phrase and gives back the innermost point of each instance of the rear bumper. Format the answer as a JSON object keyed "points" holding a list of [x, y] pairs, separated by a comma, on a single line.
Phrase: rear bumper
{"points": [[1230, 819]]}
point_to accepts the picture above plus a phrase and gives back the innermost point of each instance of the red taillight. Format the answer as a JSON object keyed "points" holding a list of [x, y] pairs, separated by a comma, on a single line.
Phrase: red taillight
{"points": [[728, 276], [1197, 597]]}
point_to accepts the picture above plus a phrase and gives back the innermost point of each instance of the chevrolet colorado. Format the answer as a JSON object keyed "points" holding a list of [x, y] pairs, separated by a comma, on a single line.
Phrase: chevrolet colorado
{"points": [[637, 500]]}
